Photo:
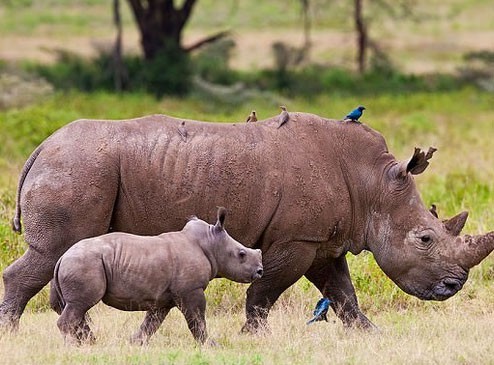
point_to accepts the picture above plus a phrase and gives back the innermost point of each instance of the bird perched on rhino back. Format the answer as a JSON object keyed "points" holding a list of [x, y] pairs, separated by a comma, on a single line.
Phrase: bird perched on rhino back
{"points": [[182, 131], [284, 116], [355, 114], [252, 117], [321, 310]]}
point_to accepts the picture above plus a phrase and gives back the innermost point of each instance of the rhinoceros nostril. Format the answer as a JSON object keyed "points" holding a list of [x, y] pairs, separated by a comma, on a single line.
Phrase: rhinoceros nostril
{"points": [[452, 285], [260, 272], [447, 287]]}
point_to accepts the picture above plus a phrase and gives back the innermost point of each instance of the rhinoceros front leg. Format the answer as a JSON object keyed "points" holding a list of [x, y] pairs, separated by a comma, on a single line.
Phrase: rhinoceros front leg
{"points": [[332, 278], [153, 320], [284, 263], [193, 307]]}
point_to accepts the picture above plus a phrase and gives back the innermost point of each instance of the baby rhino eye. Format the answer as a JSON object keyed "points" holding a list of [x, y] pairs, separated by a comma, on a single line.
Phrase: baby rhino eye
{"points": [[242, 253]]}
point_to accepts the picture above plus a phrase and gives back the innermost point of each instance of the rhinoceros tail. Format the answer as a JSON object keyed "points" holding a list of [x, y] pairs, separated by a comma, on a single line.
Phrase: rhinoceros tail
{"points": [[57, 302], [16, 221]]}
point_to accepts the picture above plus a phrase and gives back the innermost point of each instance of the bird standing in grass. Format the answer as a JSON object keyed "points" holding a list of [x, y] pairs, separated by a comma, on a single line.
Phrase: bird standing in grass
{"points": [[252, 117], [284, 116], [355, 114], [320, 311]]}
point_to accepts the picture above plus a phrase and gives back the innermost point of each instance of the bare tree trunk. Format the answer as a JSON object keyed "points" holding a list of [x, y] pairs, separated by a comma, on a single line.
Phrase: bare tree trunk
{"points": [[160, 24], [362, 38], [307, 25], [119, 71]]}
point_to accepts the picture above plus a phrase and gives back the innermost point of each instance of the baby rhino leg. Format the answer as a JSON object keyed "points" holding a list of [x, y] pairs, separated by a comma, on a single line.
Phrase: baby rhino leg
{"points": [[149, 326], [74, 326], [193, 307], [77, 294]]}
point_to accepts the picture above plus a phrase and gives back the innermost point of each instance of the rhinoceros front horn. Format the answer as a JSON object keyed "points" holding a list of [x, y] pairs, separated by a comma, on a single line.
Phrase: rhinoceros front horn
{"points": [[475, 249]]}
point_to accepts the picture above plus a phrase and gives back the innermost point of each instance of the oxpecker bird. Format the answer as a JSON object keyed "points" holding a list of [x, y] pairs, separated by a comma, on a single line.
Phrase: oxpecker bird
{"points": [[320, 311], [433, 210], [355, 114], [182, 131], [284, 116], [252, 117]]}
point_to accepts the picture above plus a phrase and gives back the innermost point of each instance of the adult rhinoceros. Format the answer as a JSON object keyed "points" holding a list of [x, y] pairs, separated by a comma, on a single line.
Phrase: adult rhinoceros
{"points": [[305, 194]]}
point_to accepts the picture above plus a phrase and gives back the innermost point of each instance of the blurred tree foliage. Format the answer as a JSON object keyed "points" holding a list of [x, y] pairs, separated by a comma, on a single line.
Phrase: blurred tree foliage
{"points": [[479, 69], [168, 66]]}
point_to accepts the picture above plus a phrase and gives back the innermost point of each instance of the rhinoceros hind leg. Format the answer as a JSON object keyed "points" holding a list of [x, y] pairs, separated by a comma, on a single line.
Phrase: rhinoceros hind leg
{"points": [[332, 278], [22, 280], [284, 263], [152, 321], [74, 326]]}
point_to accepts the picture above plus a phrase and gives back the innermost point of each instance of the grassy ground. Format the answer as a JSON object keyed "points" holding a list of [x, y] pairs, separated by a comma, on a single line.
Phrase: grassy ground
{"points": [[460, 177], [453, 333]]}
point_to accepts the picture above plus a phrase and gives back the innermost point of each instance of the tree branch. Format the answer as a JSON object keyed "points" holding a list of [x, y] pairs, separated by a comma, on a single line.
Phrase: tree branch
{"points": [[210, 39], [362, 38], [186, 11]]}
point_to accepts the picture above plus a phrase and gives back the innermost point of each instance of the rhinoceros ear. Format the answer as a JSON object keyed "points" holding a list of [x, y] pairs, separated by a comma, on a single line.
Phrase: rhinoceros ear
{"points": [[456, 224], [220, 222], [417, 163]]}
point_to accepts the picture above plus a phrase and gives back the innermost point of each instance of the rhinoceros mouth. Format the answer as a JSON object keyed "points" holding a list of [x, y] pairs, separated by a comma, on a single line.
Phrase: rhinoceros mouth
{"points": [[447, 288]]}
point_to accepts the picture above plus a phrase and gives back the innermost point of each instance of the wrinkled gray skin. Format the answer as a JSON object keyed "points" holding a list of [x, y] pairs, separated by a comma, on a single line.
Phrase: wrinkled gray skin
{"points": [[151, 273], [305, 194]]}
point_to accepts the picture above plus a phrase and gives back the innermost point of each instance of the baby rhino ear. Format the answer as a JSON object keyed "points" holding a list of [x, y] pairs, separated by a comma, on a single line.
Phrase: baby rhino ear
{"points": [[220, 222]]}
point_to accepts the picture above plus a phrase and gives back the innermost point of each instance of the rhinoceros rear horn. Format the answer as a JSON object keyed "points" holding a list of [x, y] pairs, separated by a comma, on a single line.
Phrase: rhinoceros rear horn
{"points": [[220, 222], [456, 224]]}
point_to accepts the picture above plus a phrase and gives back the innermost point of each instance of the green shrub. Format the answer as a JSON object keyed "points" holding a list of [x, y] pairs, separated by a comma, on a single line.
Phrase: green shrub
{"points": [[168, 73], [212, 63]]}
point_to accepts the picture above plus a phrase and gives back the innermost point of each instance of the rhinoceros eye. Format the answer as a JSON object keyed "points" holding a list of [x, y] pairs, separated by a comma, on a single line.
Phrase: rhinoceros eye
{"points": [[426, 239], [242, 254]]}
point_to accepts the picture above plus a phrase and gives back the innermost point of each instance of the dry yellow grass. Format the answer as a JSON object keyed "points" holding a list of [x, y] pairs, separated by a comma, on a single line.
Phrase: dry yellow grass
{"points": [[456, 333]]}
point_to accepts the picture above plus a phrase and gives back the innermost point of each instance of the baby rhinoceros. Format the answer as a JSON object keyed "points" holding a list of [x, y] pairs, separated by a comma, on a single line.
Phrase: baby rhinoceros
{"points": [[148, 273]]}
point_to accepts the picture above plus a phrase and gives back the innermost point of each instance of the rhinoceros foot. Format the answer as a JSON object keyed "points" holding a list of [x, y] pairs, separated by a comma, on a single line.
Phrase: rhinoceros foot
{"points": [[256, 327], [9, 319]]}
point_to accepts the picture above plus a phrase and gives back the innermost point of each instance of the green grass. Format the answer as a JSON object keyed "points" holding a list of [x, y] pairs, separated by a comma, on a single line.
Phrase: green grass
{"points": [[460, 177], [209, 14]]}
